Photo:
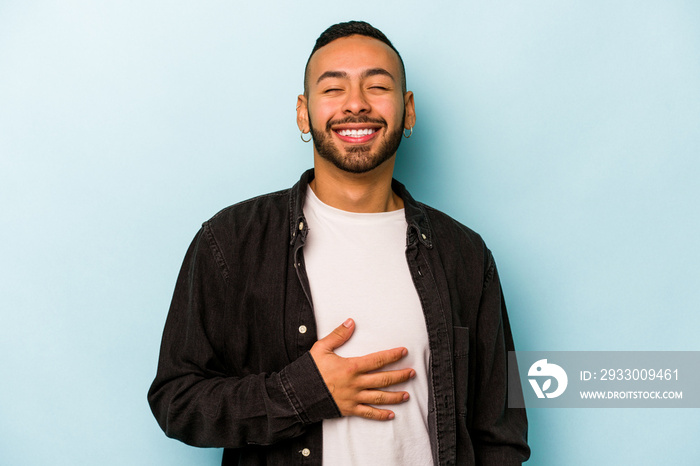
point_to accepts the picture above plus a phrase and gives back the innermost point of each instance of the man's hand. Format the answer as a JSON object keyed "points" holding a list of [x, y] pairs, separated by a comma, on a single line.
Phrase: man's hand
{"points": [[349, 379]]}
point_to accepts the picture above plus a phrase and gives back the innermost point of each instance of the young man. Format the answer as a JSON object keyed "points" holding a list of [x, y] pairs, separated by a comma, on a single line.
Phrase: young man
{"points": [[411, 369]]}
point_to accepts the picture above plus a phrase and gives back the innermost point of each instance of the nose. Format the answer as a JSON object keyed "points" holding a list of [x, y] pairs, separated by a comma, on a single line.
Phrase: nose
{"points": [[356, 102]]}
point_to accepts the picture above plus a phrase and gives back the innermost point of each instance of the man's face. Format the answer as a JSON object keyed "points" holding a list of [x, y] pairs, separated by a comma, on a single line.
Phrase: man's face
{"points": [[355, 107]]}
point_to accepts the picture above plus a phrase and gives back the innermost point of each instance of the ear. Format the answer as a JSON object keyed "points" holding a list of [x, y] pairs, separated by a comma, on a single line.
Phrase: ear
{"points": [[303, 114], [410, 109]]}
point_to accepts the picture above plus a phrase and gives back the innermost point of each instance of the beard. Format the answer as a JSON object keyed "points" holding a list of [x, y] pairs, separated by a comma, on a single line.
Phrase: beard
{"points": [[357, 159]]}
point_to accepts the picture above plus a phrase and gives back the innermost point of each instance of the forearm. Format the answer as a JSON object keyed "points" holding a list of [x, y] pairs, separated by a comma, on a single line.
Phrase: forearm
{"points": [[226, 411]]}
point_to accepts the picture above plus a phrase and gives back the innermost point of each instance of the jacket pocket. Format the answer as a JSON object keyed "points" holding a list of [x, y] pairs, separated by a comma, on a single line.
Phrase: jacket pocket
{"points": [[461, 368]]}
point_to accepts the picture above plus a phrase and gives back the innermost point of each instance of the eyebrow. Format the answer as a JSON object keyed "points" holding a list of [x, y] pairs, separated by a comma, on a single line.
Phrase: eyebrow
{"points": [[377, 72], [365, 74]]}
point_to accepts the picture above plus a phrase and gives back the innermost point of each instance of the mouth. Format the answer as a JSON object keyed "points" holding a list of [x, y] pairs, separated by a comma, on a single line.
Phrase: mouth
{"points": [[356, 134]]}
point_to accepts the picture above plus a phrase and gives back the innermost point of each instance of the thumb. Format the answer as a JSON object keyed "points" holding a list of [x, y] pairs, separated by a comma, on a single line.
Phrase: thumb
{"points": [[339, 336]]}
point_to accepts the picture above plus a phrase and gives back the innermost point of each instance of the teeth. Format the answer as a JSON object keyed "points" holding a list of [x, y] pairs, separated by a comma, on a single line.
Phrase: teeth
{"points": [[354, 133]]}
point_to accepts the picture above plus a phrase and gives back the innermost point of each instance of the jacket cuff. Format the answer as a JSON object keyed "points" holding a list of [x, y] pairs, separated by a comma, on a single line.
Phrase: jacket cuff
{"points": [[307, 392], [502, 456]]}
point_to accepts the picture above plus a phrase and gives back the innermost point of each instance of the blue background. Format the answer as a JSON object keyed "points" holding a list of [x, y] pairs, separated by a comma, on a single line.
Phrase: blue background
{"points": [[565, 132]]}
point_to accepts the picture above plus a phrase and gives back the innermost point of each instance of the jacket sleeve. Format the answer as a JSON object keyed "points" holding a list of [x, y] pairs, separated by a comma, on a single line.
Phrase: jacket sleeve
{"points": [[499, 433], [197, 399]]}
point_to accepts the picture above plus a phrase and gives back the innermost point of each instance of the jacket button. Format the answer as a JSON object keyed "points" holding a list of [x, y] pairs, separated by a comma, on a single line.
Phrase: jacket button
{"points": [[305, 452], [301, 226], [423, 235], [302, 329]]}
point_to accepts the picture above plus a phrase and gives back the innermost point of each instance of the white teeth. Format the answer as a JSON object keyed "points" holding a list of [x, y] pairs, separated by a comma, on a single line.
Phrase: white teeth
{"points": [[354, 133]]}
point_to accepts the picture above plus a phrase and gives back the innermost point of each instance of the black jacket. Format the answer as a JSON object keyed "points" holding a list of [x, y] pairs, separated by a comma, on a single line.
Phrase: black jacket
{"points": [[235, 371]]}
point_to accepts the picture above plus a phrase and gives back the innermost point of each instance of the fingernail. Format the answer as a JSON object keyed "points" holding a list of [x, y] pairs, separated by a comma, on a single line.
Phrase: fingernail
{"points": [[404, 352], [413, 374], [391, 415], [347, 323], [405, 397]]}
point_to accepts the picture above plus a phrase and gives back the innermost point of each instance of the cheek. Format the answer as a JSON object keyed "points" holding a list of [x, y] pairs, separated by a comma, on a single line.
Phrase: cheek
{"points": [[323, 112], [391, 110]]}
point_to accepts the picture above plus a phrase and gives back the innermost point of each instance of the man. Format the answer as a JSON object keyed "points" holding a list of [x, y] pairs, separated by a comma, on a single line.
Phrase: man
{"points": [[411, 368]]}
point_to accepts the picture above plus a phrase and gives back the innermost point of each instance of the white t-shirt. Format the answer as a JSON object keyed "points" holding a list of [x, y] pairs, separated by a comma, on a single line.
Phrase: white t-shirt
{"points": [[356, 264]]}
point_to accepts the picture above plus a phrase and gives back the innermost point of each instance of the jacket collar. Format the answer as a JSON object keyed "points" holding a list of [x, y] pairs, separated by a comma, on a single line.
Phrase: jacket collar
{"points": [[416, 217]]}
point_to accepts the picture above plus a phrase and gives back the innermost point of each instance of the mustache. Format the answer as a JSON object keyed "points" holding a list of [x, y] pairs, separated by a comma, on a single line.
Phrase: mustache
{"points": [[355, 119]]}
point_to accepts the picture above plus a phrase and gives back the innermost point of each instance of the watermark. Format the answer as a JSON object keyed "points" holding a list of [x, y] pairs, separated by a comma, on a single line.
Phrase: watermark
{"points": [[604, 379]]}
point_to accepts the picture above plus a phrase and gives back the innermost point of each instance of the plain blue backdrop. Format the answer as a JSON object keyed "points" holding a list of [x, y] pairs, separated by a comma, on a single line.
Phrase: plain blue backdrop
{"points": [[565, 132]]}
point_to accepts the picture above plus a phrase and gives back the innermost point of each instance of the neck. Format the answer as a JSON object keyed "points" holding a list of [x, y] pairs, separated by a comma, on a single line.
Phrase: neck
{"points": [[355, 192]]}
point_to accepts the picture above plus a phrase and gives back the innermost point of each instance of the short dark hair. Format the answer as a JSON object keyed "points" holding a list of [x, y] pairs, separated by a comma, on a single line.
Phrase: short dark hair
{"points": [[352, 28]]}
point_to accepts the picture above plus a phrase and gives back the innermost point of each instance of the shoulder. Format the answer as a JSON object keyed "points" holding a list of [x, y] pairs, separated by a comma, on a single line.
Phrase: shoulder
{"points": [[240, 232], [457, 244], [242, 216], [446, 228]]}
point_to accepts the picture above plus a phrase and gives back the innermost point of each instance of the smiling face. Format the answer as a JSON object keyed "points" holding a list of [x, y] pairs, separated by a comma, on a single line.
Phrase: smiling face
{"points": [[354, 105]]}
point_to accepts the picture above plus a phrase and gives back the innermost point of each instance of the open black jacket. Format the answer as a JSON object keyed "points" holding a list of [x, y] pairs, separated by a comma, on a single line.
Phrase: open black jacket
{"points": [[235, 369]]}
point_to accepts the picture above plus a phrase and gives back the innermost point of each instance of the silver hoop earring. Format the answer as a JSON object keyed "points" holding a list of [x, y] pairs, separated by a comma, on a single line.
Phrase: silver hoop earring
{"points": [[409, 134], [305, 140]]}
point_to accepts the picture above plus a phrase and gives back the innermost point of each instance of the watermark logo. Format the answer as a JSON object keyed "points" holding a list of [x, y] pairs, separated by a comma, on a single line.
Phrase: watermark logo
{"points": [[542, 369]]}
